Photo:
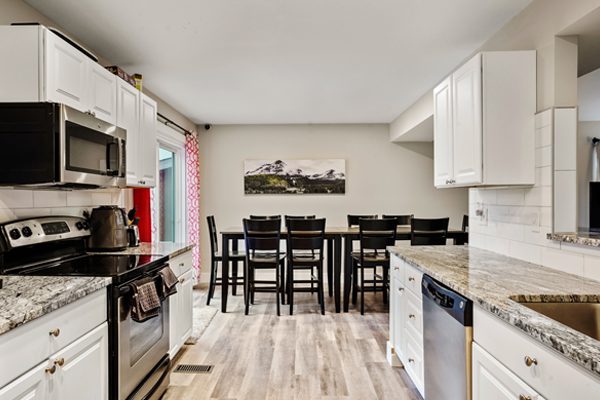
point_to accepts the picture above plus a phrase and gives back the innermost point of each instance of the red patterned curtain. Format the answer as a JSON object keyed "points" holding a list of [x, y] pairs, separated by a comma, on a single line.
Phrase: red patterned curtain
{"points": [[192, 163]]}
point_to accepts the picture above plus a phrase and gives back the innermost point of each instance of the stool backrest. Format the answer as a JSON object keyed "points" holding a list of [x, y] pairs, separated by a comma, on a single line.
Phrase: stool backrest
{"points": [[212, 232], [465, 223], [428, 232], [353, 219], [265, 217], [402, 219], [306, 234], [376, 234], [263, 235]]}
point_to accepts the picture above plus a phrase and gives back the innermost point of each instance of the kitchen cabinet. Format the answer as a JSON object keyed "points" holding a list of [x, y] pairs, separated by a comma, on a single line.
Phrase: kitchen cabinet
{"points": [[136, 113], [43, 67], [492, 380], [69, 363], [182, 303], [406, 321], [544, 374], [484, 131]]}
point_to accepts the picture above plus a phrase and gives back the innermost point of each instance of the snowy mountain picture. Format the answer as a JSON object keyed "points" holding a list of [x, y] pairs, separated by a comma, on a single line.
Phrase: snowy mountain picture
{"points": [[295, 176]]}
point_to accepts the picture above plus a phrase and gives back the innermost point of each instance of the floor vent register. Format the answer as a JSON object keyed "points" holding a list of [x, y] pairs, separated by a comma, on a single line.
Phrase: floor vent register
{"points": [[193, 369]]}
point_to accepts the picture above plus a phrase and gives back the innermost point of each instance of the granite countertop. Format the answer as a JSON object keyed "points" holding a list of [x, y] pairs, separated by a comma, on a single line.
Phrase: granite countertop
{"points": [[25, 298], [580, 238], [155, 248], [495, 282]]}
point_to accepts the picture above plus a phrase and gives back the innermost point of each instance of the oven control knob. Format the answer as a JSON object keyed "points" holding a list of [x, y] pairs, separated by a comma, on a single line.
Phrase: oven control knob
{"points": [[85, 225], [26, 231], [14, 234], [79, 226]]}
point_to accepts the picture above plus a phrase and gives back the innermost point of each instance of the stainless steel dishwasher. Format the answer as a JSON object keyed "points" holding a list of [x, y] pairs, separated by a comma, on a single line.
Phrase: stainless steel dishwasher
{"points": [[447, 337]]}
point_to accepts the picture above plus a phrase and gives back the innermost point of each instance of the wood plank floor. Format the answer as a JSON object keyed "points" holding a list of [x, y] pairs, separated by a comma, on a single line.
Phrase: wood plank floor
{"points": [[304, 356]]}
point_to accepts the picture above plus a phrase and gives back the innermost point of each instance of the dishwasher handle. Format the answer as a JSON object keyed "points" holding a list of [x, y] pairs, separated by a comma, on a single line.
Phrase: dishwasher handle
{"points": [[458, 307]]}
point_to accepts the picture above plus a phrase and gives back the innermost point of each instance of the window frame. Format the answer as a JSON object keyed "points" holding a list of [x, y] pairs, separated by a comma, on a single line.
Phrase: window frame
{"points": [[171, 140]]}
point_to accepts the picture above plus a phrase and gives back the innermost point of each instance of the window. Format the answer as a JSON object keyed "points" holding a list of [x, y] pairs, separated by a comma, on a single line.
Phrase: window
{"points": [[169, 193]]}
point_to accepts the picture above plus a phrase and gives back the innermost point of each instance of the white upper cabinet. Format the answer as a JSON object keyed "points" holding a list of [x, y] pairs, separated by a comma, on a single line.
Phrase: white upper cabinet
{"points": [[44, 67], [147, 141], [103, 93], [484, 122], [128, 118], [442, 127]]}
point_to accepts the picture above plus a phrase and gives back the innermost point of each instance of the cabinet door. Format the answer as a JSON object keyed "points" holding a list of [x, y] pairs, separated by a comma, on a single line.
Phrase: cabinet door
{"points": [[186, 306], [467, 122], [128, 117], [84, 370], [103, 93], [493, 381], [442, 132], [32, 385], [66, 73], [398, 297], [174, 311], [147, 144]]}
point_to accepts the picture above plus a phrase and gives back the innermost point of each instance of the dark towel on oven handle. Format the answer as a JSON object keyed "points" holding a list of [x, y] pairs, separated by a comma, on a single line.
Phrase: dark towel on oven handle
{"points": [[169, 282], [145, 301]]}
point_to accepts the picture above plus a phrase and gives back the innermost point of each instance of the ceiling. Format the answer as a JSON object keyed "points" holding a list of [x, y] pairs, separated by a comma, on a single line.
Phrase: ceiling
{"points": [[274, 62]]}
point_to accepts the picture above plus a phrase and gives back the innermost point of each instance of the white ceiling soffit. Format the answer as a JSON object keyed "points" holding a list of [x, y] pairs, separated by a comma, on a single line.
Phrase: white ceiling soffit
{"points": [[273, 62]]}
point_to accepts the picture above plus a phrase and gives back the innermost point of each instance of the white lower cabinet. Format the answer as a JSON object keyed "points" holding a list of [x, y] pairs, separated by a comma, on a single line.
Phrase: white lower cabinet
{"points": [[406, 321], [182, 303], [493, 381], [60, 356]]}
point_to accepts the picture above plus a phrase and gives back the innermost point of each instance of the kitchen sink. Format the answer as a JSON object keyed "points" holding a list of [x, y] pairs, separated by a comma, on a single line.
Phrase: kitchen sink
{"points": [[583, 317]]}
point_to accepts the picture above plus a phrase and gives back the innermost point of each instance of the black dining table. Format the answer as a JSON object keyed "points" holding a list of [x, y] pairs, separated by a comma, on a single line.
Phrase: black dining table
{"points": [[334, 237]]}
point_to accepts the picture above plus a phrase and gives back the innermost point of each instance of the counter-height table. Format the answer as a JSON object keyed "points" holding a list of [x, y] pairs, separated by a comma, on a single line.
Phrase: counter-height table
{"points": [[333, 237]]}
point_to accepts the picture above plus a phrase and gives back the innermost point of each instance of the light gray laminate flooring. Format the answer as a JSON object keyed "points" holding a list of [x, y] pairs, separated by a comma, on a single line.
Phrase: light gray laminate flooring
{"points": [[304, 356]]}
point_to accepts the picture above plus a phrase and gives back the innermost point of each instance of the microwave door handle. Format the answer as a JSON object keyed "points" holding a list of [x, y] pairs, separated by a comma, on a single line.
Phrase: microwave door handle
{"points": [[112, 147]]}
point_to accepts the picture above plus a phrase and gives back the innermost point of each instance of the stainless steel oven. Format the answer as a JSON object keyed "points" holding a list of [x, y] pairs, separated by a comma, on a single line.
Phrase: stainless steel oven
{"points": [[142, 350], [53, 145]]}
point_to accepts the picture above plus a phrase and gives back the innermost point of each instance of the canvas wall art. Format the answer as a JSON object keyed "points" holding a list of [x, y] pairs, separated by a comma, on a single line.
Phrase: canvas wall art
{"points": [[295, 176]]}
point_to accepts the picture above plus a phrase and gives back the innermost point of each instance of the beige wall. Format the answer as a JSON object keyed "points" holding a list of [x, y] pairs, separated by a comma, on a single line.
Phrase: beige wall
{"points": [[19, 11], [382, 177]]}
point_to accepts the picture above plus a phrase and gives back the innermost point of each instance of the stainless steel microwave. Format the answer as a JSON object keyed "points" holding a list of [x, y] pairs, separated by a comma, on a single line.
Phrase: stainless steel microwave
{"points": [[55, 146]]}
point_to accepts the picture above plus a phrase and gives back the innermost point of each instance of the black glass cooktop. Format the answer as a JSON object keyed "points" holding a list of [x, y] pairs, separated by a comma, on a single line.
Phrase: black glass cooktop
{"points": [[121, 268]]}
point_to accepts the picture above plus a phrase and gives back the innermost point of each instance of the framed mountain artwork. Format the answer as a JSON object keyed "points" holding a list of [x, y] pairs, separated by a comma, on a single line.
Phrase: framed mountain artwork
{"points": [[295, 176]]}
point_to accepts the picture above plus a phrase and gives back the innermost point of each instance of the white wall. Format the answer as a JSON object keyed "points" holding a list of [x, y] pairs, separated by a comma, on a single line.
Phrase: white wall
{"points": [[382, 177]]}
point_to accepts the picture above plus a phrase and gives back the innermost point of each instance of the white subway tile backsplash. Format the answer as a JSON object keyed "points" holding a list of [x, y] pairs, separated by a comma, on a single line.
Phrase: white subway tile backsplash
{"points": [[543, 136], [10, 198], [563, 260], [510, 197], [525, 251], [539, 196], [79, 198], [543, 118], [46, 198], [543, 176], [543, 156], [7, 214]]}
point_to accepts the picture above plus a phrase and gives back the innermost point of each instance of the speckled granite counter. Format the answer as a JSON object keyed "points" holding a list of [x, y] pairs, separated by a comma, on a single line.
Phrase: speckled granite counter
{"points": [[25, 298], [580, 238], [493, 281], [161, 249]]}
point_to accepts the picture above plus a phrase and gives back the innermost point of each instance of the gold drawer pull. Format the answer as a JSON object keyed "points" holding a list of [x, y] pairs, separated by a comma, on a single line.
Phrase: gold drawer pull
{"points": [[59, 361], [411, 279], [50, 370], [530, 361], [55, 332], [523, 397]]}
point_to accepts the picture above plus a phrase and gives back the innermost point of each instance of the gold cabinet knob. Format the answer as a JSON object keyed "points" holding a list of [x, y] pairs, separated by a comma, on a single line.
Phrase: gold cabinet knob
{"points": [[396, 268], [411, 316], [55, 332], [50, 370], [400, 289], [411, 279], [411, 360], [523, 397], [530, 361], [59, 361]]}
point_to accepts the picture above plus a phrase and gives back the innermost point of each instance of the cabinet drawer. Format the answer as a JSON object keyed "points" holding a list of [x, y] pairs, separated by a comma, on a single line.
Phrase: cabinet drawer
{"points": [[397, 269], [492, 380], [72, 321], [413, 279], [181, 263], [414, 315], [414, 360], [548, 377]]}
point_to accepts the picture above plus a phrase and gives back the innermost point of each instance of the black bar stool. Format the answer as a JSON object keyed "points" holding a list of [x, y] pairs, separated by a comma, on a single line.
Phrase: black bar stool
{"points": [[216, 257], [429, 232], [353, 219], [402, 219], [305, 239], [265, 217], [263, 240], [375, 236]]}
